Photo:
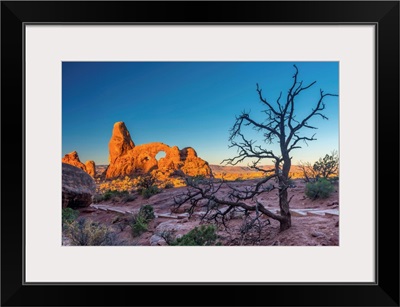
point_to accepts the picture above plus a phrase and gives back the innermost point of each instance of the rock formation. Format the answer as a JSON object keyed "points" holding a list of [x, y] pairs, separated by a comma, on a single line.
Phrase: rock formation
{"points": [[120, 142], [90, 168], [78, 187], [72, 158], [128, 159]]}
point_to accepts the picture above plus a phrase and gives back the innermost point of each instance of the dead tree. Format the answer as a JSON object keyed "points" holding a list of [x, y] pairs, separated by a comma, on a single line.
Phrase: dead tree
{"points": [[308, 172], [279, 126]]}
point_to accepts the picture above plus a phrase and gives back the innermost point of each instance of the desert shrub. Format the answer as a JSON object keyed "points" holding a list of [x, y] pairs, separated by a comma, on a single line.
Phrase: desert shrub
{"points": [[140, 221], [198, 236], [334, 179], [147, 186], [195, 180], [168, 185], [327, 166], [149, 192], [147, 212], [86, 232], [146, 181], [114, 195], [69, 215], [128, 197], [138, 225], [322, 188]]}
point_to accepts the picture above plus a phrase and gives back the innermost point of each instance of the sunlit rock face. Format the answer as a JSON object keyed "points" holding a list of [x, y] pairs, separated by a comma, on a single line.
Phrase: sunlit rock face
{"points": [[127, 159], [72, 158], [90, 168], [120, 142]]}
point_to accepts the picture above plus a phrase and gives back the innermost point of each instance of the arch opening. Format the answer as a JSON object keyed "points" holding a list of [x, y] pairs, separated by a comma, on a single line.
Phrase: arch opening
{"points": [[160, 154]]}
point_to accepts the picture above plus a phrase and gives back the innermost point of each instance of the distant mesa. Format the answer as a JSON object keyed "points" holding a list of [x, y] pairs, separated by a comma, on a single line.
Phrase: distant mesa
{"points": [[72, 158], [78, 187], [127, 159]]}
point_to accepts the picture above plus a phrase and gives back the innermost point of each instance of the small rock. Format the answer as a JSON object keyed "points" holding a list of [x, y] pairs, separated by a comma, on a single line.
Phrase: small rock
{"points": [[317, 234], [156, 240]]}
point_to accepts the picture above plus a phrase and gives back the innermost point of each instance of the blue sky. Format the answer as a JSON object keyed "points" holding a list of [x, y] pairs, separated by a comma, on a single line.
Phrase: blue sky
{"points": [[188, 104]]}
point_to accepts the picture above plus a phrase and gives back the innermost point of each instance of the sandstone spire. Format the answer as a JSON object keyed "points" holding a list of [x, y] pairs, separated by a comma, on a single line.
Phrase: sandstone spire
{"points": [[120, 142]]}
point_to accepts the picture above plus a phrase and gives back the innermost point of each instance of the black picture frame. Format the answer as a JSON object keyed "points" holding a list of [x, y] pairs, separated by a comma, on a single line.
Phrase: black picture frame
{"points": [[383, 14]]}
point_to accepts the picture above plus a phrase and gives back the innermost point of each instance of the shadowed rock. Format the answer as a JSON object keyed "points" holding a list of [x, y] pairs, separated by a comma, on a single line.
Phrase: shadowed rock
{"points": [[78, 187]]}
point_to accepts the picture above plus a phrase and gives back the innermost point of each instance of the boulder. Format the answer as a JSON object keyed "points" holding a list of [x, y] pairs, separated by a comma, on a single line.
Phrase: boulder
{"points": [[127, 159], [78, 187], [72, 158], [90, 168]]}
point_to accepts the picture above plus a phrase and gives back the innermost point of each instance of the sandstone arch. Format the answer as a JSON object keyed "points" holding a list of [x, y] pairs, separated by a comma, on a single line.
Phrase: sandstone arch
{"points": [[128, 159]]}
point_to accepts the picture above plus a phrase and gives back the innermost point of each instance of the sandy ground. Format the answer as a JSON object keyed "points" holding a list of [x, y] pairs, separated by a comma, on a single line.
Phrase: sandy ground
{"points": [[314, 223]]}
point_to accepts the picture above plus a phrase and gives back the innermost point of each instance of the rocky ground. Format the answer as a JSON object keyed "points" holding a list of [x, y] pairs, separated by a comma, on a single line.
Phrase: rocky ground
{"points": [[314, 222]]}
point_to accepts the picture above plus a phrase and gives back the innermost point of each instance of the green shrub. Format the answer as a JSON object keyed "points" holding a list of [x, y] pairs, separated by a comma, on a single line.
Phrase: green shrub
{"points": [[140, 221], [196, 180], [327, 166], [129, 197], [146, 181], [147, 186], [147, 212], [86, 232], [322, 188], [168, 185], [199, 236], [123, 196], [69, 215], [149, 192], [138, 225]]}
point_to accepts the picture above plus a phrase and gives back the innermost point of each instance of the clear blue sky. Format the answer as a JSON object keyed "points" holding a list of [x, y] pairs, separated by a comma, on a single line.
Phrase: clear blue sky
{"points": [[187, 104]]}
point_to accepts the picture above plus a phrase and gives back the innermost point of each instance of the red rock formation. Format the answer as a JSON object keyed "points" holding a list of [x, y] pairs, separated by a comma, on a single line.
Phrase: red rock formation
{"points": [[193, 165], [120, 142], [90, 168], [72, 158], [78, 187], [128, 159]]}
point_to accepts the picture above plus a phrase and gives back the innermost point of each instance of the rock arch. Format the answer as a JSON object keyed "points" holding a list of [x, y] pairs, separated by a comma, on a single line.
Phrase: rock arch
{"points": [[133, 159]]}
